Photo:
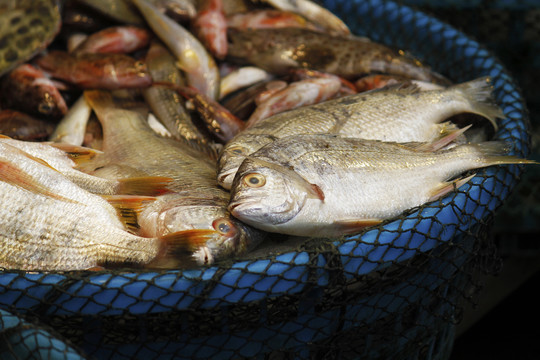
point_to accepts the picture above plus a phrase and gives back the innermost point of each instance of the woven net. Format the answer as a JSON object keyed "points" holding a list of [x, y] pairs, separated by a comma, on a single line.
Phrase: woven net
{"points": [[394, 291]]}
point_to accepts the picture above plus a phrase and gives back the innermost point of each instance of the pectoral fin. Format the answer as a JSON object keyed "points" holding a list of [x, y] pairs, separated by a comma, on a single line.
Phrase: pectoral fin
{"points": [[128, 208], [149, 185], [79, 154], [446, 187], [348, 227]]}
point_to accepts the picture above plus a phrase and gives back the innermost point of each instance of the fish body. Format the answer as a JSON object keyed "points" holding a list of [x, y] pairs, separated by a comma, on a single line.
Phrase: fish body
{"points": [[314, 12], [116, 39], [196, 206], [21, 126], [242, 77], [267, 18], [26, 27], [72, 127], [200, 68], [296, 94], [393, 114], [60, 158], [28, 89], [49, 223], [166, 104], [326, 186], [96, 71], [280, 50], [210, 27], [119, 10]]}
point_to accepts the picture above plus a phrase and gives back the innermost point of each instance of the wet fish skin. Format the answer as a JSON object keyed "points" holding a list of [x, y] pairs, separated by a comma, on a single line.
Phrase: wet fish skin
{"points": [[28, 89], [327, 186], [115, 39], [49, 223], [72, 127], [197, 206], [91, 71], [392, 114], [280, 50], [26, 27], [21, 126], [166, 104], [210, 27], [200, 68], [267, 18]]}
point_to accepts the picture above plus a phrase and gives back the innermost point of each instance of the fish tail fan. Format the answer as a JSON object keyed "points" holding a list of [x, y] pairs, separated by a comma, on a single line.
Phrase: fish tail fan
{"points": [[497, 153], [480, 94]]}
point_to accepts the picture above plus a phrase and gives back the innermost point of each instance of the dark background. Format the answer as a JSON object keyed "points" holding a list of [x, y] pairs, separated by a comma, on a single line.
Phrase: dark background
{"points": [[505, 324]]}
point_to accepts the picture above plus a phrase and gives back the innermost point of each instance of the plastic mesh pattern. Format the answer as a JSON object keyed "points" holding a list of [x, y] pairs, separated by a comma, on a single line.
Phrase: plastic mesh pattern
{"points": [[393, 291]]}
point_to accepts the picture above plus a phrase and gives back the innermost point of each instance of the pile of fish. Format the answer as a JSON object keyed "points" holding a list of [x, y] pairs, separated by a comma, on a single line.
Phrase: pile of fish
{"points": [[175, 133]]}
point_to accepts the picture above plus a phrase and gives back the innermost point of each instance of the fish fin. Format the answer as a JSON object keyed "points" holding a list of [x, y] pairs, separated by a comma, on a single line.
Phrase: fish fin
{"points": [[447, 187], [148, 185], [348, 227], [495, 153], [479, 93], [178, 248], [79, 154], [128, 208], [14, 175], [449, 133]]}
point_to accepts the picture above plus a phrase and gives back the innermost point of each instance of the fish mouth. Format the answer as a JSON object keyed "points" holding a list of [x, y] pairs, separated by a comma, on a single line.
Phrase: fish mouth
{"points": [[238, 209], [225, 178]]}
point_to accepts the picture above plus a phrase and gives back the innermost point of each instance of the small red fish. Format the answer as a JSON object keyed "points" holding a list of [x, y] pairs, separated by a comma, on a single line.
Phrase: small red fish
{"points": [[28, 89], [116, 39], [21, 126], [267, 18], [96, 71], [210, 27]]}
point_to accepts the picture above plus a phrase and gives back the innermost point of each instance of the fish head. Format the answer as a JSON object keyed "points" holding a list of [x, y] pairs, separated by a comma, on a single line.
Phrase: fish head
{"points": [[265, 197], [207, 232], [235, 152]]}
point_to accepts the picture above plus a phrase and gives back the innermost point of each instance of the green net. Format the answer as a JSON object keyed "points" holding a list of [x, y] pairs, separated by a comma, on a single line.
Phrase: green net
{"points": [[394, 291]]}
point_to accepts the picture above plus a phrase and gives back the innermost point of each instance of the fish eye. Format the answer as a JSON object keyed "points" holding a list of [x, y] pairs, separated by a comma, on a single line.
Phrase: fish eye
{"points": [[237, 150], [254, 180], [224, 226]]}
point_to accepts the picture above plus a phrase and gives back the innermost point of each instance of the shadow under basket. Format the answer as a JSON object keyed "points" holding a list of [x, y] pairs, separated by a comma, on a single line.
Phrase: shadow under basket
{"points": [[392, 292]]}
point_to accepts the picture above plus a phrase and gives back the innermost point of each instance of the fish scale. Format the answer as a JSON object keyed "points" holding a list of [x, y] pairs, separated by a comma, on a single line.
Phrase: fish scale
{"points": [[26, 27]]}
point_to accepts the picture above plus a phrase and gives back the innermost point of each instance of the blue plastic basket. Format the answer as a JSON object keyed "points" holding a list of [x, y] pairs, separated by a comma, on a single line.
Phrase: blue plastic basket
{"points": [[283, 293]]}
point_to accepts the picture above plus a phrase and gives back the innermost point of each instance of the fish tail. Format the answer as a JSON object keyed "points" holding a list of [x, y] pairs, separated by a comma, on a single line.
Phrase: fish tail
{"points": [[479, 92], [497, 153]]}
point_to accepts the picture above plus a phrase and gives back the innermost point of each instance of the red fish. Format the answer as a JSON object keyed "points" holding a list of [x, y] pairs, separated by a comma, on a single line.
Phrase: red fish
{"points": [[28, 89], [116, 39], [210, 27], [96, 71]]}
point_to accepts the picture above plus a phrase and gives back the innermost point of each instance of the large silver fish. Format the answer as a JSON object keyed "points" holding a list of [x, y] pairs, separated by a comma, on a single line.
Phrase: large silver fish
{"points": [[49, 223], [26, 27], [394, 114], [326, 186], [197, 206]]}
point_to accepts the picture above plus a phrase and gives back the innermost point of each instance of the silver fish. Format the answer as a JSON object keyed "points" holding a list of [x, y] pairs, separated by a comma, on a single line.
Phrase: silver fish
{"points": [[49, 223], [393, 114], [196, 206], [327, 186]]}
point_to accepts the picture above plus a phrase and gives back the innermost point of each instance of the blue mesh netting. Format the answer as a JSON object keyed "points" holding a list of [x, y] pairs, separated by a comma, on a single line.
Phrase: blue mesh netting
{"points": [[393, 291]]}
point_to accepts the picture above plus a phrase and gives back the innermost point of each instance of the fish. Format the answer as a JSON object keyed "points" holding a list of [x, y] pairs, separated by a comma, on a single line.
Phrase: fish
{"points": [[115, 39], [240, 78], [210, 27], [27, 88], [314, 12], [377, 81], [296, 94], [221, 124], [21, 126], [280, 50], [196, 206], [65, 159], [26, 28], [181, 11], [49, 223], [198, 65], [324, 185], [96, 71], [267, 18], [72, 127], [392, 114], [166, 104], [119, 10]]}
